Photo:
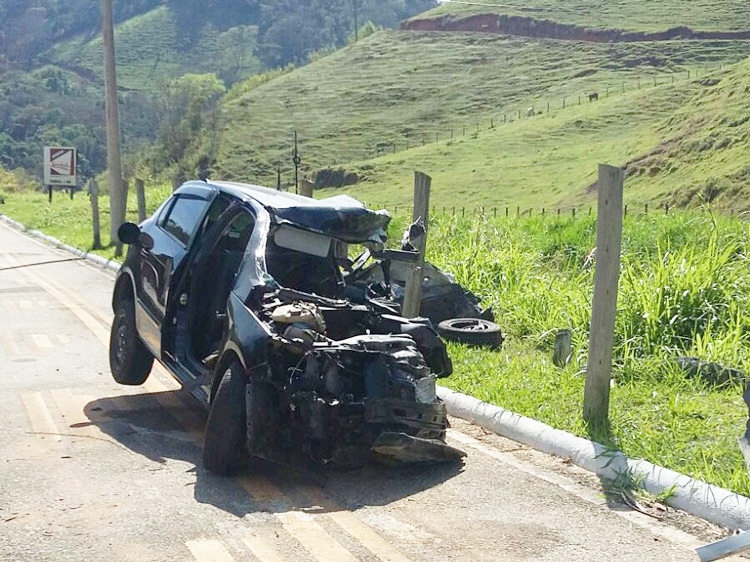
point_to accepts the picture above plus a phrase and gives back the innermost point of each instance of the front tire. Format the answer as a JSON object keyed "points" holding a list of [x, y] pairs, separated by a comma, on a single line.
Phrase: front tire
{"points": [[225, 449], [129, 360]]}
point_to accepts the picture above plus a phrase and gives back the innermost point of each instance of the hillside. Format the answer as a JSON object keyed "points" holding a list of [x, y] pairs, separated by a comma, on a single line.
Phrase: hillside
{"points": [[152, 48], [51, 61], [397, 86], [628, 15], [681, 144]]}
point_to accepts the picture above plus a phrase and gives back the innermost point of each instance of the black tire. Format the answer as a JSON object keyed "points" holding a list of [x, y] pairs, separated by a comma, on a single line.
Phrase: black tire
{"points": [[225, 448], [471, 331], [129, 360]]}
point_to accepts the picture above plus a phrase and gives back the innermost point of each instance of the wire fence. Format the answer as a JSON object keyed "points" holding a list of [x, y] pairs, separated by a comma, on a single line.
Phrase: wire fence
{"points": [[507, 211], [534, 109]]}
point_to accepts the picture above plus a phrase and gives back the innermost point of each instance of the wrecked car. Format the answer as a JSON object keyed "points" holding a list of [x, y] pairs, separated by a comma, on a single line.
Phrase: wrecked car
{"points": [[241, 293]]}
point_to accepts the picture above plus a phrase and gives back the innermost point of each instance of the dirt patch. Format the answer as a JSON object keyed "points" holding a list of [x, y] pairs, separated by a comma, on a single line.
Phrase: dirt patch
{"points": [[547, 29]]}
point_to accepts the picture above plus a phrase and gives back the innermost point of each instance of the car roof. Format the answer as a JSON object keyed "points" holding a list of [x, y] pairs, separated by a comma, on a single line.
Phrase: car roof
{"points": [[341, 216]]}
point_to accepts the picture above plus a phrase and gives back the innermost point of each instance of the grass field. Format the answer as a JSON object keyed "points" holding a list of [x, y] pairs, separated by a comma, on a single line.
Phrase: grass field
{"points": [[684, 290], [685, 144], [396, 87], [631, 15]]}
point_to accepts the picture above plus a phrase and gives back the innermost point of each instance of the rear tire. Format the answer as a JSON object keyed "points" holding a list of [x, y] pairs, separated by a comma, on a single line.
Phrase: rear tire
{"points": [[129, 360], [471, 331], [225, 448]]}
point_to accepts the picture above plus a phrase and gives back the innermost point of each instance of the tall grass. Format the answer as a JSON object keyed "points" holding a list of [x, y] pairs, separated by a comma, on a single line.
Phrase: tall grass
{"points": [[684, 288]]}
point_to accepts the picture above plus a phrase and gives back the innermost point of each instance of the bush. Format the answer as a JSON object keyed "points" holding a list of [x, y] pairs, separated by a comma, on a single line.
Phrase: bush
{"points": [[328, 177]]}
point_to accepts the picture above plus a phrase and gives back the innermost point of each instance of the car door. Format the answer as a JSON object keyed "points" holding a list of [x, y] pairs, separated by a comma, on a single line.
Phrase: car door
{"points": [[172, 235]]}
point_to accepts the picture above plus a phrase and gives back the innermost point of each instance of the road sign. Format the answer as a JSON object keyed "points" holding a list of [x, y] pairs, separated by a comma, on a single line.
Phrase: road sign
{"points": [[60, 166]]}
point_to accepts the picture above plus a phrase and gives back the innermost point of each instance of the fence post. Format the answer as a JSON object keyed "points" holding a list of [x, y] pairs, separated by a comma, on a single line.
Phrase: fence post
{"points": [[563, 348], [507, 210], [601, 338], [413, 289], [574, 212], [494, 212], [518, 211], [306, 188], [94, 195], [666, 208], [645, 209], [141, 193]]}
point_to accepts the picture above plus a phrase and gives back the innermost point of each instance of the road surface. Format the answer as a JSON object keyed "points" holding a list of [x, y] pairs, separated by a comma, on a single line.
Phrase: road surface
{"points": [[93, 471]]}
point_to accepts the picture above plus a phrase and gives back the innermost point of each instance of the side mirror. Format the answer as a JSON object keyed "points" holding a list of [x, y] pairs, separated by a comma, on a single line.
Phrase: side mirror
{"points": [[128, 233]]}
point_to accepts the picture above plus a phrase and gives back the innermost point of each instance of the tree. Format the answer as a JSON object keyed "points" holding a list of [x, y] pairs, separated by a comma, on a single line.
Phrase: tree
{"points": [[189, 118]]}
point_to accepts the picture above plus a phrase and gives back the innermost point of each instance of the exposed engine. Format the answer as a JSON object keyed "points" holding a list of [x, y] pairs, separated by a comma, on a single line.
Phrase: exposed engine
{"points": [[351, 382]]}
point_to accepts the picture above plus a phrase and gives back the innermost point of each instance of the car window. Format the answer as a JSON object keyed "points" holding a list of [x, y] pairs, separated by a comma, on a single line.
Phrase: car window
{"points": [[184, 216], [217, 208]]}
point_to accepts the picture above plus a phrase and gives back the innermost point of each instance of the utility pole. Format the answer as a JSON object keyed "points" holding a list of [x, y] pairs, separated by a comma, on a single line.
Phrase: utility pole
{"points": [[297, 160], [114, 160], [356, 20]]}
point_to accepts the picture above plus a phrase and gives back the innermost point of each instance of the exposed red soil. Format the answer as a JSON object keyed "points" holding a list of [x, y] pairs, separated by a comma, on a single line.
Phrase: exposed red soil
{"points": [[531, 27]]}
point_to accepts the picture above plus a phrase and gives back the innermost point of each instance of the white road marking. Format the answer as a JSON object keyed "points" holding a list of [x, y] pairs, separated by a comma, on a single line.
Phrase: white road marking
{"points": [[263, 550], [42, 341], [208, 550], [41, 420], [314, 537]]}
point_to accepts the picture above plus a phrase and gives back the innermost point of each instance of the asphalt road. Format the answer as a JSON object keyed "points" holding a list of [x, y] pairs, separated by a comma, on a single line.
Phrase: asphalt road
{"points": [[93, 471]]}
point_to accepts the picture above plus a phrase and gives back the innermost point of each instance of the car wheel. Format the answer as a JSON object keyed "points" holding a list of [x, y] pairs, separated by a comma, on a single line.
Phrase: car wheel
{"points": [[129, 360], [225, 449], [471, 331]]}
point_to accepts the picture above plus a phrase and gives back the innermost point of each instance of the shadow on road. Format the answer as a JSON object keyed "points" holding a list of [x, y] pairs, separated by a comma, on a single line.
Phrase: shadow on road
{"points": [[169, 425]]}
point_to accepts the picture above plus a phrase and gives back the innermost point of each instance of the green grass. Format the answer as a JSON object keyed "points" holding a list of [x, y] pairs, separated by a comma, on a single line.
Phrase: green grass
{"points": [[684, 290], [150, 51], [631, 15], [684, 144], [395, 87], [684, 284]]}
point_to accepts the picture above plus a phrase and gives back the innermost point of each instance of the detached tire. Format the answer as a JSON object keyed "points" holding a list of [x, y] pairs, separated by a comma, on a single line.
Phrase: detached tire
{"points": [[129, 360], [471, 331], [225, 450]]}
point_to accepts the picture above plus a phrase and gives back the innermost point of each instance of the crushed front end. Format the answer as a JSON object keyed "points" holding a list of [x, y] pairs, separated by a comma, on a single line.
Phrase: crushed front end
{"points": [[347, 385]]}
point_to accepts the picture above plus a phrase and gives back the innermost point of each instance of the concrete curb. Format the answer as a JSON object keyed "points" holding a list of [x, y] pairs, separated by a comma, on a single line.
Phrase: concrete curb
{"points": [[709, 502], [93, 258]]}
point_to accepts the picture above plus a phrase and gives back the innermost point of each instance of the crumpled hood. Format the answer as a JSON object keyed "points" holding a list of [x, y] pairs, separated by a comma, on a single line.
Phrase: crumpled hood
{"points": [[341, 217]]}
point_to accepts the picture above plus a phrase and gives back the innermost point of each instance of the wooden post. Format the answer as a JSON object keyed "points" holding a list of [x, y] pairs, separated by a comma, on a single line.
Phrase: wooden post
{"points": [[413, 290], [608, 244], [141, 193], [563, 348], [94, 195], [306, 188]]}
